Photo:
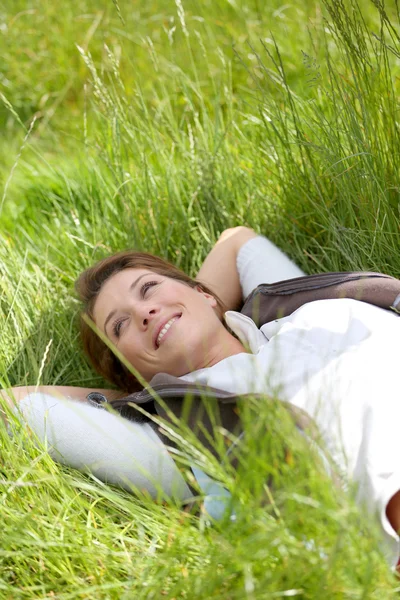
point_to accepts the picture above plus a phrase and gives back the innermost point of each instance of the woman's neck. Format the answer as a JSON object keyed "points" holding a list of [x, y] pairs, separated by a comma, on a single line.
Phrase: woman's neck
{"points": [[223, 346]]}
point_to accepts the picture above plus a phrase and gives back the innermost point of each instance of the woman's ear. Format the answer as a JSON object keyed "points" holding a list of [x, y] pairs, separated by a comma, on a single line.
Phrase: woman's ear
{"points": [[209, 297]]}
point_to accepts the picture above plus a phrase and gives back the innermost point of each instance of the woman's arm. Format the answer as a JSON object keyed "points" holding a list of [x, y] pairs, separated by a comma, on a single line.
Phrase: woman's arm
{"points": [[240, 261], [219, 271], [114, 449], [14, 395]]}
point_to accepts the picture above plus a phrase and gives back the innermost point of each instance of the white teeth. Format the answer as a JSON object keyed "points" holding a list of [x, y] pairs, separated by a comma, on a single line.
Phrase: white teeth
{"points": [[165, 329]]}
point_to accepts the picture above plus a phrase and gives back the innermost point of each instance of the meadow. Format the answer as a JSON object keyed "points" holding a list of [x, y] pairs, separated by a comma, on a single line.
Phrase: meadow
{"points": [[156, 125]]}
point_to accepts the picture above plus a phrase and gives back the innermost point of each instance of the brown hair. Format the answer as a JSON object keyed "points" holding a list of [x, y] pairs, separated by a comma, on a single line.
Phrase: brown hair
{"points": [[88, 286]]}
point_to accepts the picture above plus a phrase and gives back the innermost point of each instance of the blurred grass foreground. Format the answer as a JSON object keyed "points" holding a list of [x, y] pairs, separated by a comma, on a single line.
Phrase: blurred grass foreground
{"points": [[156, 125]]}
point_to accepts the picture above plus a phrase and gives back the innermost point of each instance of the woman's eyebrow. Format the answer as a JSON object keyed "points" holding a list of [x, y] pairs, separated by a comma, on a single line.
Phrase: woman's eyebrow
{"points": [[134, 284], [131, 288]]}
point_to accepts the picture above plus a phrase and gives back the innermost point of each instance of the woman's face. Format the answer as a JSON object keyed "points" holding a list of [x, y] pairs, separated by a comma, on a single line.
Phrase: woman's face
{"points": [[158, 324]]}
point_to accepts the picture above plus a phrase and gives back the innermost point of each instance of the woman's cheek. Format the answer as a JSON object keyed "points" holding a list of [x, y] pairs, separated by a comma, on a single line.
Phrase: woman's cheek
{"points": [[125, 350]]}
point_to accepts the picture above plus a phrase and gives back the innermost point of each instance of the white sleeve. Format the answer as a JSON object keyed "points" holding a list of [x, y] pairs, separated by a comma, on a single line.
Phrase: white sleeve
{"points": [[260, 261], [115, 450]]}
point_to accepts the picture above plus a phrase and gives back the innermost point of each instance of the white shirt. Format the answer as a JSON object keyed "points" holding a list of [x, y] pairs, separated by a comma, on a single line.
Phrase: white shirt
{"points": [[338, 361]]}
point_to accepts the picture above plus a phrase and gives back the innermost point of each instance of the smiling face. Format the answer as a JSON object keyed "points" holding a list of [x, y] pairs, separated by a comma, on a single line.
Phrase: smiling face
{"points": [[159, 324]]}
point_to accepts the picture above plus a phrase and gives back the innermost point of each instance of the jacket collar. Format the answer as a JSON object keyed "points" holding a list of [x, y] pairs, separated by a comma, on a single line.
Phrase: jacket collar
{"points": [[246, 330]]}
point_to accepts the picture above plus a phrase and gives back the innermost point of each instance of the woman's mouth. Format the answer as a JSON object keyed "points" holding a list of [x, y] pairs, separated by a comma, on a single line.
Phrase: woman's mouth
{"points": [[165, 328]]}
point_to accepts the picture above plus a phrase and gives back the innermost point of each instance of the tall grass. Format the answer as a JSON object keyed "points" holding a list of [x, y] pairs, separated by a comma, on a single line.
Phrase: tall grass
{"points": [[159, 125]]}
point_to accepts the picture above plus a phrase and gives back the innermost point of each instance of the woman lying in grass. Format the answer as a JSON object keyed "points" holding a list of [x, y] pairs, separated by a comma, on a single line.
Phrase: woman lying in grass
{"points": [[335, 359]]}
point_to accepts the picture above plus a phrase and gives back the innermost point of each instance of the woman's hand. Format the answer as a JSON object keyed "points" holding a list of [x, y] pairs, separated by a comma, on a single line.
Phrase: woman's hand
{"points": [[219, 271]]}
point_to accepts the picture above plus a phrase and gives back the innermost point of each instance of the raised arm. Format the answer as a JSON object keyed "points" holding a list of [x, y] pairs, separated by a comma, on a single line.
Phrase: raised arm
{"points": [[219, 271], [240, 261]]}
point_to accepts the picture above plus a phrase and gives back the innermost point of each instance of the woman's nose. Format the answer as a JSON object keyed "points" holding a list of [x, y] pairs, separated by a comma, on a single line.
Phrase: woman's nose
{"points": [[148, 316]]}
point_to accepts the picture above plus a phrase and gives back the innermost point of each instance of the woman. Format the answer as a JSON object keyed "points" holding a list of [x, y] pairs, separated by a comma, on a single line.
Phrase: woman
{"points": [[323, 358], [113, 449]]}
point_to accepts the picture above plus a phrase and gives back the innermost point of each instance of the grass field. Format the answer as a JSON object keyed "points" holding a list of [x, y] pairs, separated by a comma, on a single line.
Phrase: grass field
{"points": [[156, 125]]}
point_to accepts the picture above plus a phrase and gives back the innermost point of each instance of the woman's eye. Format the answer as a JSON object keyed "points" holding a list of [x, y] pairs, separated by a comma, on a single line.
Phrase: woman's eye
{"points": [[117, 328], [146, 286]]}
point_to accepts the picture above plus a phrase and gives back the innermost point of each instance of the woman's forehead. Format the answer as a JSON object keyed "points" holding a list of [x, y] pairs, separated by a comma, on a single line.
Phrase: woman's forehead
{"points": [[120, 283], [125, 278]]}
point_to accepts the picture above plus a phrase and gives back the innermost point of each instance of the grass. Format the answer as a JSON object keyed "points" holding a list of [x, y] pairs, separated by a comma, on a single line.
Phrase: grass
{"points": [[157, 125]]}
